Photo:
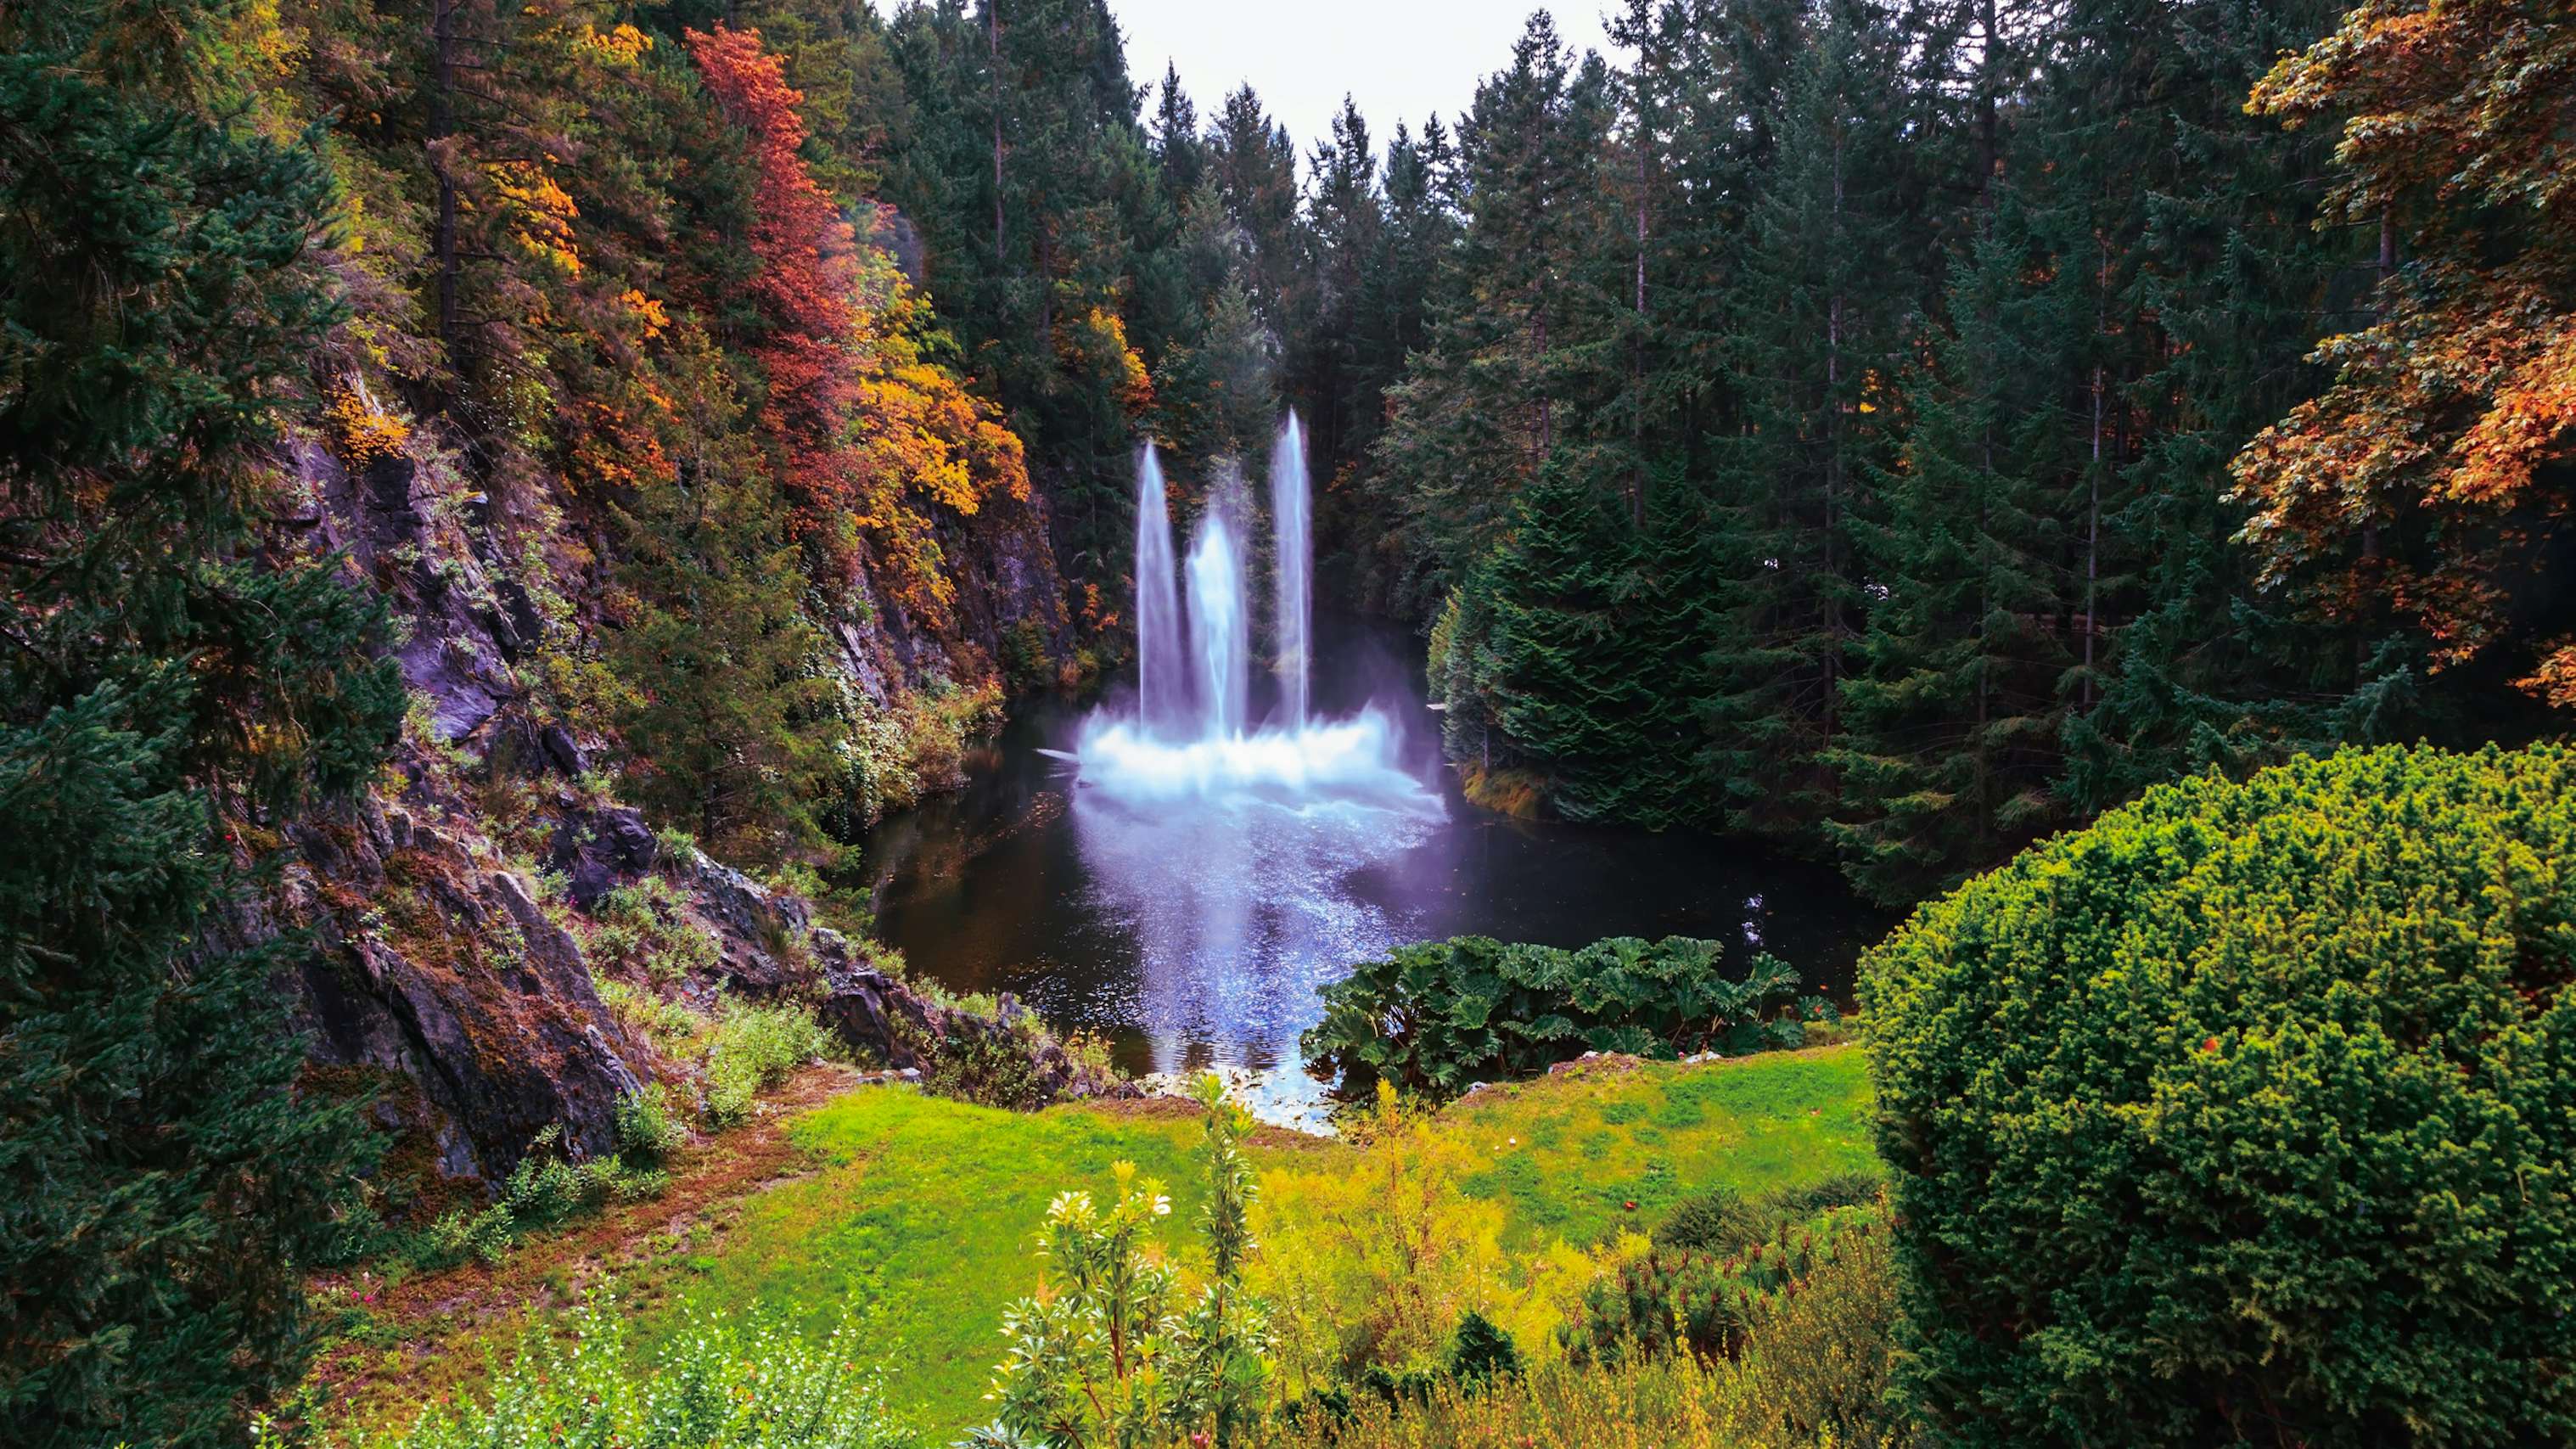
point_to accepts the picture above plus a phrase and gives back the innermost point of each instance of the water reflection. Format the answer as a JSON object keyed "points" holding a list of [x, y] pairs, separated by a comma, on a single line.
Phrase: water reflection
{"points": [[1239, 903], [1192, 927]]}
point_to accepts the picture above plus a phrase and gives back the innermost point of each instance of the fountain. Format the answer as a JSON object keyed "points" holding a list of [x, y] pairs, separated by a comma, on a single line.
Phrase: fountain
{"points": [[1294, 576], [1219, 633], [1199, 858], [1190, 734], [1162, 689]]}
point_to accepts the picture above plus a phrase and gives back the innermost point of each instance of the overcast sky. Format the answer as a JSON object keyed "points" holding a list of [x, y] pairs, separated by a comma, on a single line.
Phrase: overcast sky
{"points": [[1400, 59]]}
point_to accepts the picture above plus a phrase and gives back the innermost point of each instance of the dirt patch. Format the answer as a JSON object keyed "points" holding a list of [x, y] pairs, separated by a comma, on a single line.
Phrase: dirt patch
{"points": [[1598, 1064]]}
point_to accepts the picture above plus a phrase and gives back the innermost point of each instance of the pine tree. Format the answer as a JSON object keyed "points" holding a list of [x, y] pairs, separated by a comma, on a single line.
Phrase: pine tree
{"points": [[173, 670], [1816, 345], [730, 725], [1480, 413], [1951, 744], [2220, 287], [1544, 655], [1338, 374]]}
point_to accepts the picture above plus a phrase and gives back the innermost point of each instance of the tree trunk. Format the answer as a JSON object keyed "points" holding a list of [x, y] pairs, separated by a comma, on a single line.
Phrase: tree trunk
{"points": [[442, 125], [2093, 506], [1637, 343], [993, 47], [1989, 104]]}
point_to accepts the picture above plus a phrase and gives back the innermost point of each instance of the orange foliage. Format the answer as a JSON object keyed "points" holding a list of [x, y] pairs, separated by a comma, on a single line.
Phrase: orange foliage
{"points": [[870, 433], [1096, 340], [360, 431], [2455, 407], [538, 212]]}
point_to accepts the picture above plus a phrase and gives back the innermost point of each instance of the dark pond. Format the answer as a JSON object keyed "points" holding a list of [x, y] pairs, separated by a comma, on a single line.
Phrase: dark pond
{"points": [[1189, 935]]}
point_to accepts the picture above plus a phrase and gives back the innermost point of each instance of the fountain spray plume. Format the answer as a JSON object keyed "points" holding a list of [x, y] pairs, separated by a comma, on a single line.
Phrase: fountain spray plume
{"points": [[1191, 740], [1294, 578], [1219, 633], [1162, 679]]}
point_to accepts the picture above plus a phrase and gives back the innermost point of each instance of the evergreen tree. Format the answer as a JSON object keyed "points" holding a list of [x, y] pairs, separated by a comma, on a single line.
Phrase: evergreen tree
{"points": [[1029, 171], [1546, 657], [1817, 342], [2220, 286], [728, 724], [1479, 413], [1950, 747], [1340, 375], [175, 670], [1254, 165]]}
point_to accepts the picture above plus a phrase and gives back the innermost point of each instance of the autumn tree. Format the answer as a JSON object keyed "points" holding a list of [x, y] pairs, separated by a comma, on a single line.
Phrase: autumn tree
{"points": [[2434, 470], [866, 431]]}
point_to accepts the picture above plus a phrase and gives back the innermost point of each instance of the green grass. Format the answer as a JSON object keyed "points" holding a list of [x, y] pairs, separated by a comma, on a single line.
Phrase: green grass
{"points": [[940, 1202], [1590, 1143], [937, 1203]]}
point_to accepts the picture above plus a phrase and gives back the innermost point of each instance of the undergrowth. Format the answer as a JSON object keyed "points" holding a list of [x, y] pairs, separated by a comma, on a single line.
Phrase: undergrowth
{"points": [[719, 1383]]}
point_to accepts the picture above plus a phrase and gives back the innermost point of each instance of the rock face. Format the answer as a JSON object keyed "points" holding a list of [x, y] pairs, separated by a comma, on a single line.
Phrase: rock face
{"points": [[880, 1016], [470, 1001], [450, 979]]}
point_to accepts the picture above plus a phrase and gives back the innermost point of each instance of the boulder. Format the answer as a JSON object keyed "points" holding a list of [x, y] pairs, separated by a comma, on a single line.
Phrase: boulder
{"points": [[758, 928], [601, 851]]}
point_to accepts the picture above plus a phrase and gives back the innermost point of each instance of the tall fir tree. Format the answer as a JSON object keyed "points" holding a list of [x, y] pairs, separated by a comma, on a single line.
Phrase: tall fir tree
{"points": [[1819, 337], [1548, 677], [2216, 274], [176, 666], [1951, 744]]}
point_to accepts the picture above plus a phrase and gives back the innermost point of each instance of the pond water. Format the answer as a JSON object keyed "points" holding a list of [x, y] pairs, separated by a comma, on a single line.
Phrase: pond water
{"points": [[1194, 933]]}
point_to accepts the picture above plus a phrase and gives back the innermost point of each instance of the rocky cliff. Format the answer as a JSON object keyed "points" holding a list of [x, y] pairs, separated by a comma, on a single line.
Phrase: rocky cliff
{"points": [[467, 915]]}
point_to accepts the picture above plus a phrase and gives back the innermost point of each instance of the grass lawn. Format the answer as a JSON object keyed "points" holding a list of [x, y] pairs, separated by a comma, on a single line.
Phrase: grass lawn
{"points": [[1571, 1151], [934, 1205]]}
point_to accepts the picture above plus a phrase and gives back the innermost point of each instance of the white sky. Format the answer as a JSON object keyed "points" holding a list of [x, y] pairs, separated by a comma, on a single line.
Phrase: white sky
{"points": [[1399, 59]]}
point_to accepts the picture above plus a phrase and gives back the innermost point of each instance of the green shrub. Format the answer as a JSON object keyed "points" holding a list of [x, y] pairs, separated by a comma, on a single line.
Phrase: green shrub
{"points": [[1722, 1220], [1111, 1350], [1676, 1300], [755, 1047], [1025, 665], [715, 1385], [648, 1131], [1441, 1015], [1714, 1221], [646, 926], [1812, 1374], [543, 1190], [2248, 1112], [1481, 1351]]}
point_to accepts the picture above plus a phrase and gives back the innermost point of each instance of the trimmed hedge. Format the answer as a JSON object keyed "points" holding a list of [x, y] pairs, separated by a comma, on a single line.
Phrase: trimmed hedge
{"points": [[2248, 1113]]}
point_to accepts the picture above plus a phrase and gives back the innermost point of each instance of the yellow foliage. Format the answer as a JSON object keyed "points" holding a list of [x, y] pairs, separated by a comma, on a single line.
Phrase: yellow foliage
{"points": [[1097, 339], [1375, 1263], [1517, 793], [623, 45], [540, 212], [360, 432], [647, 311], [1813, 1374], [924, 441]]}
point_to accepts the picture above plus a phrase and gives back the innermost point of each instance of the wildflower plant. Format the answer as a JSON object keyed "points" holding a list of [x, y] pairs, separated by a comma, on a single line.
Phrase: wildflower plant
{"points": [[1111, 1352]]}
